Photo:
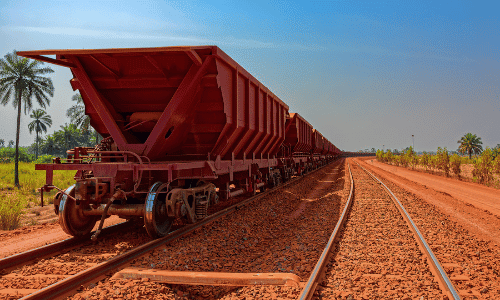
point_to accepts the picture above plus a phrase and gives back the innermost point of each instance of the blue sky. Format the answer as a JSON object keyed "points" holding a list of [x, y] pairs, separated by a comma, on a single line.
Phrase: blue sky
{"points": [[364, 73]]}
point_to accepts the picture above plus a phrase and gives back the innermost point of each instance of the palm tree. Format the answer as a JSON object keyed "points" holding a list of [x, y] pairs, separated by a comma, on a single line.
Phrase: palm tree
{"points": [[77, 115], [2, 142], [67, 136], [50, 145], [23, 79], [39, 124], [470, 143]]}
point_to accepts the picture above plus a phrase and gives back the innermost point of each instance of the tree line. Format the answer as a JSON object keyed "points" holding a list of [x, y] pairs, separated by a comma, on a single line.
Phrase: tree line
{"points": [[24, 82], [485, 163]]}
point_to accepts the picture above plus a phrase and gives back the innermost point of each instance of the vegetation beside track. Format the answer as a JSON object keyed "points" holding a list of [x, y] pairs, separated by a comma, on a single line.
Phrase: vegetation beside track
{"points": [[483, 168], [14, 202]]}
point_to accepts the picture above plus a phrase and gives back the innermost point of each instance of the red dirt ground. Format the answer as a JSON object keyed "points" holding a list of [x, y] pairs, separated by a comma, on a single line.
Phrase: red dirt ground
{"points": [[31, 237], [474, 206]]}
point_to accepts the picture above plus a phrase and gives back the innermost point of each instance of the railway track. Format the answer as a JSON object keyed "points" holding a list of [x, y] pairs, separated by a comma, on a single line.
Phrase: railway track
{"points": [[63, 271], [471, 262], [360, 265], [25, 273], [282, 235], [18, 260], [377, 255]]}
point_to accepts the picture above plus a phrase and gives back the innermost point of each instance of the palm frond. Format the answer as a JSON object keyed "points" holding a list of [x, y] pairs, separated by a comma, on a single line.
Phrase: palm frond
{"points": [[46, 119], [77, 115], [6, 95], [46, 70], [43, 99]]}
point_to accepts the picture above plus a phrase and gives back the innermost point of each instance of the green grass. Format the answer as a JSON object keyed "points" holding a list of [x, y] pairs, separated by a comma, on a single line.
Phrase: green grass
{"points": [[13, 201], [10, 211]]}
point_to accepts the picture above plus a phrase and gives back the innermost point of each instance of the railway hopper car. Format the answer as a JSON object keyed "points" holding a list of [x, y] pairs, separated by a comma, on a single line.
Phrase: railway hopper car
{"points": [[318, 148], [182, 128], [298, 143]]}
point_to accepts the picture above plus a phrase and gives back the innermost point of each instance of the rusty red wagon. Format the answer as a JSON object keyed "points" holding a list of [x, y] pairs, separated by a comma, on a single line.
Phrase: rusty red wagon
{"points": [[182, 126], [298, 143]]}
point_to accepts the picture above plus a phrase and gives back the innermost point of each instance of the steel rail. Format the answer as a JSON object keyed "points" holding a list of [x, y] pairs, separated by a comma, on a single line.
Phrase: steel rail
{"points": [[20, 259], [312, 282], [67, 286], [436, 268]]}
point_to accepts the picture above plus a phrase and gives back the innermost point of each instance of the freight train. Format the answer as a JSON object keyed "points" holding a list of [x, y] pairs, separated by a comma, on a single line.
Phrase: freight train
{"points": [[182, 127]]}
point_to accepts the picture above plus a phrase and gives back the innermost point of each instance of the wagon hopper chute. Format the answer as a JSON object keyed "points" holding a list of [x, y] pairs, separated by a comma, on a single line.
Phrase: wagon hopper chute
{"points": [[182, 126]]}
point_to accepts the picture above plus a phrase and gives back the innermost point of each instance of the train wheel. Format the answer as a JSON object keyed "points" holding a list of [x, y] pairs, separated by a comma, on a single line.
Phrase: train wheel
{"points": [[71, 217], [156, 218]]}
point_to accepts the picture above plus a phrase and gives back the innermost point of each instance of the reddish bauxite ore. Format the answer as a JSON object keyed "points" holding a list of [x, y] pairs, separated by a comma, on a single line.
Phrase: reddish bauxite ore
{"points": [[31, 237], [377, 257], [463, 237]]}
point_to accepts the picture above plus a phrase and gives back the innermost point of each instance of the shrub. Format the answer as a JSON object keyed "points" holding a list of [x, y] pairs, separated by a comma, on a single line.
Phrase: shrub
{"points": [[396, 160], [388, 157], [496, 165], [44, 159], [7, 155], [5, 160], [433, 162], [11, 210], [466, 160], [380, 155], [410, 158], [425, 160], [496, 151], [403, 160], [442, 160], [455, 161], [482, 171], [414, 161]]}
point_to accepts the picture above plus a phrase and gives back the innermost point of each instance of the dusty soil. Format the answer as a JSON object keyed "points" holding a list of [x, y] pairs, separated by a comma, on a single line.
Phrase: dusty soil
{"points": [[34, 236], [474, 206], [38, 215]]}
